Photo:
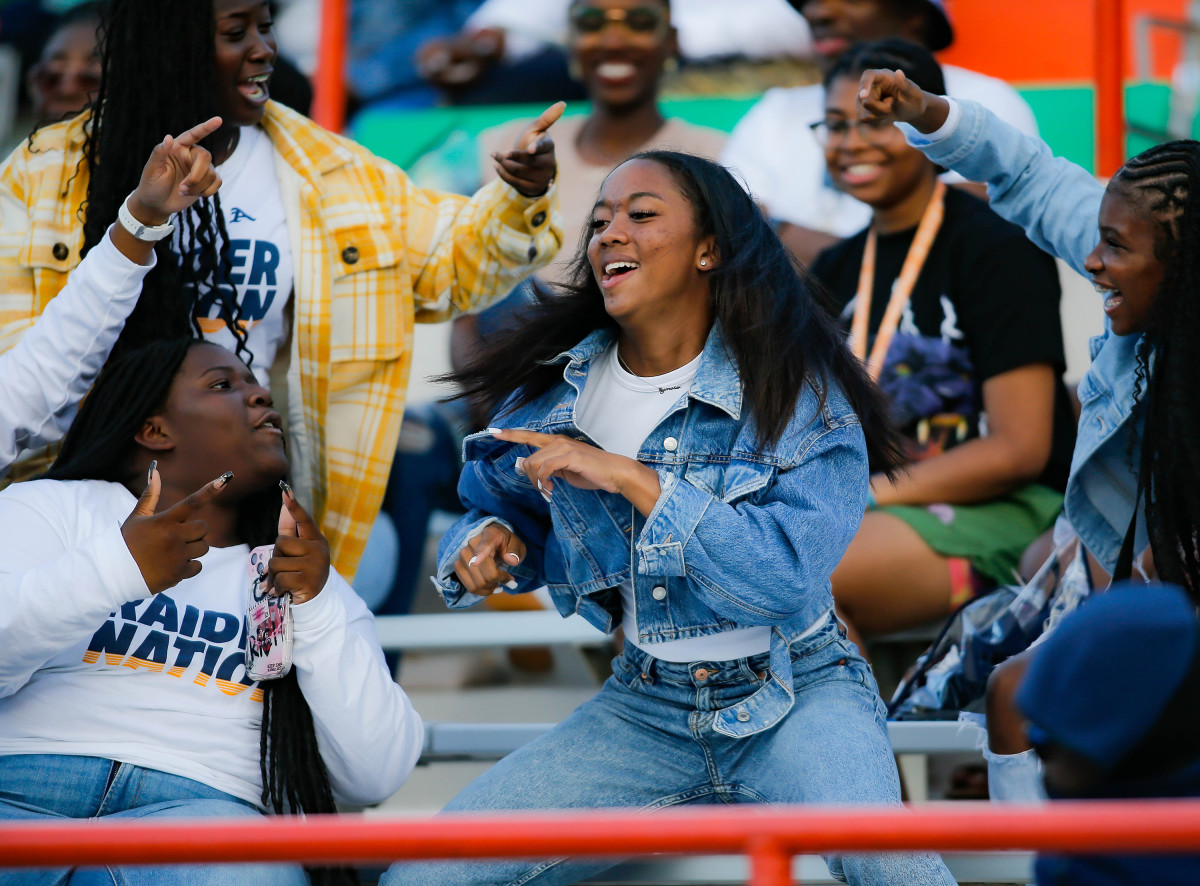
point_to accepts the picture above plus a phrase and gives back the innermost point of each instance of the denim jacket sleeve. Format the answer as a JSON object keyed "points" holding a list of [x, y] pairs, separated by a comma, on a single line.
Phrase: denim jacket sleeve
{"points": [[490, 496], [762, 559], [1054, 200]]}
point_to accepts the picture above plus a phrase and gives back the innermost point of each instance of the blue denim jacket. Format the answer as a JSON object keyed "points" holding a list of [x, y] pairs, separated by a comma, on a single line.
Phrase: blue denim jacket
{"points": [[1058, 204], [741, 534]]}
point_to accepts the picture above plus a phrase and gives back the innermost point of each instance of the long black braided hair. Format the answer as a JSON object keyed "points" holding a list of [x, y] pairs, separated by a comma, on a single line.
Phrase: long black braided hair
{"points": [[99, 446], [1165, 183], [158, 60]]}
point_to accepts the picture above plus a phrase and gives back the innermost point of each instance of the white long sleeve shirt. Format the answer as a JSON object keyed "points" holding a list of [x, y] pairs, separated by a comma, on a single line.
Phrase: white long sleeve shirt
{"points": [[43, 378], [93, 664]]}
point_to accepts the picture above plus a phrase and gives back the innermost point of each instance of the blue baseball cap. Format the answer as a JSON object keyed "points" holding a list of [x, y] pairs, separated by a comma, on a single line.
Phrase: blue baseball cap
{"points": [[1110, 682]]}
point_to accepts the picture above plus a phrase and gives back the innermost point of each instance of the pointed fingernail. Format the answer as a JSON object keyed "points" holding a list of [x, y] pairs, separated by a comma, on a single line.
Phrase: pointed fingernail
{"points": [[494, 431], [473, 560], [150, 473], [224, 479], [515, 558], [511, 585], [519, 465], [545, 494], [287, 490]]}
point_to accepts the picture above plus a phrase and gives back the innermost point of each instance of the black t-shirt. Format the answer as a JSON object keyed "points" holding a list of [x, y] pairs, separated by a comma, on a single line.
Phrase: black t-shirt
{"points": [[985, 303]]}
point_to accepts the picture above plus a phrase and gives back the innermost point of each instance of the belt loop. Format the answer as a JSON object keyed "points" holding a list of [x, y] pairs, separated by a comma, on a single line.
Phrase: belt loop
{"points": [[648, 666]]}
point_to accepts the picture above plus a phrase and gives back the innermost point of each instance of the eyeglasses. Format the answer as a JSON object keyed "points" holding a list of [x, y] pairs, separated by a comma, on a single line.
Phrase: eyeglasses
{"points": [[593, 19], [834, 130]]}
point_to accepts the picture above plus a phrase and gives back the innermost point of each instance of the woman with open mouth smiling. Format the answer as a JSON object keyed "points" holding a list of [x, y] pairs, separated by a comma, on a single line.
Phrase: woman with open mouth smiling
{"points": [[681, 446], [1134, 473], [618, 50], [312, 265], [929, 294]]}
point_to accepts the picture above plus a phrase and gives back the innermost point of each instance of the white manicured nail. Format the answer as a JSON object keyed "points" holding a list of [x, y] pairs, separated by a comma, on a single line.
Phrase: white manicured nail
{"points": [[493, 431], [511, 585], [472, 561]]}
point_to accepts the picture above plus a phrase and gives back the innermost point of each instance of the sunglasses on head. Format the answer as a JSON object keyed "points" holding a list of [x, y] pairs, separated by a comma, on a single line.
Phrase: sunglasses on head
{"points": [[593, 19]]}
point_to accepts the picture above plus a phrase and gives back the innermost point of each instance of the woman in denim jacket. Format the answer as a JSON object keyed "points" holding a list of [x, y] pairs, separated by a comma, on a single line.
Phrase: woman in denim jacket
{"points": [[686, 455], [1135, 467]]}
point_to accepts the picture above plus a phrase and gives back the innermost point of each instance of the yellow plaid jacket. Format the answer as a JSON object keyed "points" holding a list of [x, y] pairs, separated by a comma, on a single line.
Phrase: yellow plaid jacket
{"points": [[372, 255]]}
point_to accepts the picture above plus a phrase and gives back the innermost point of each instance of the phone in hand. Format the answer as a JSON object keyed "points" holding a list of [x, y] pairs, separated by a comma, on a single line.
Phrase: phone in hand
{"points": [[268, 623]]}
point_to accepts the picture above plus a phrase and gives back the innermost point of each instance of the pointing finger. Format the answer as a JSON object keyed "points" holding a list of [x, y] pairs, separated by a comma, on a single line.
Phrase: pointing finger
{"points": [[200, 132], [532, 438], [547, 119], [148, 501], [305, 526], [202, 496]]}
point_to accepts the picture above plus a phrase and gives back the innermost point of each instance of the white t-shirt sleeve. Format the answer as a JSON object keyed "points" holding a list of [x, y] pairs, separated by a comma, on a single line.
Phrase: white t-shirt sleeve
{"points": [[54, 590], [369, 734], [54, 364]]}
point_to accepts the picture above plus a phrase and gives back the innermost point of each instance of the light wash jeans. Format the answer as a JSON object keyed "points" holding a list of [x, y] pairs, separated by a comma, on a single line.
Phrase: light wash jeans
{"points": [[646, 741], [51, 786]]}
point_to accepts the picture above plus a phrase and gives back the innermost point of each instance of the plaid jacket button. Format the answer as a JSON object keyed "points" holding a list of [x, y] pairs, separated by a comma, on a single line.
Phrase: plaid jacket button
{"points": [[350, 255], [60, 251], [538, 219]]}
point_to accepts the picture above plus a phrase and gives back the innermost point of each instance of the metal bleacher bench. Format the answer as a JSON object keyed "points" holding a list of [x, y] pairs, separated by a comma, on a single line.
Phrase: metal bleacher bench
{"points": [[450, 742]]}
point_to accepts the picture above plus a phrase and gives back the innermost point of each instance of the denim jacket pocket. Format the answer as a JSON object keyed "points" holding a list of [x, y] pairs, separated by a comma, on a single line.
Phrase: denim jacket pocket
{"points": [[731, 479]]}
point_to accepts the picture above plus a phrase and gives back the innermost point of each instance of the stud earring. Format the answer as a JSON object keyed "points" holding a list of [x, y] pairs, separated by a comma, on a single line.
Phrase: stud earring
{"points": [[703, 262]]}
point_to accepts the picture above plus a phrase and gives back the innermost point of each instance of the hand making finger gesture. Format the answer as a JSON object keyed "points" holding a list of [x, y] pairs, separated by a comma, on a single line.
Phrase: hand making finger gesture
{"points": [[300, 564], [583, 466], [890, 94], [167, 546], [530, 166], [482, 563], [178, 173]]}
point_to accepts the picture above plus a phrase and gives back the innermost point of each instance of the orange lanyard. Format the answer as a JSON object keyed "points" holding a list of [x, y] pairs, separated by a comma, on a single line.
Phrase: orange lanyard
{"points": [[931, 221]]}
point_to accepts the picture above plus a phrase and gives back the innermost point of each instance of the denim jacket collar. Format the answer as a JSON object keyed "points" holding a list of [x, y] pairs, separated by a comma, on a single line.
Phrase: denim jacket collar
{"points": [[717, 381]]}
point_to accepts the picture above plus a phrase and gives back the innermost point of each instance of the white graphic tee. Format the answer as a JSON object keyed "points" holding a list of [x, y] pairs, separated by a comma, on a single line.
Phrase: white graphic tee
{"points": [[259, 252]]}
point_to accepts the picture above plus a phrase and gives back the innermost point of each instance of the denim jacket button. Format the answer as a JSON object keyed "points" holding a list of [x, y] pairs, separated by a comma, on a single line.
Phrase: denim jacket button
{"points": [[659, 593], [701, 674], [743, 715], [670, 444]]}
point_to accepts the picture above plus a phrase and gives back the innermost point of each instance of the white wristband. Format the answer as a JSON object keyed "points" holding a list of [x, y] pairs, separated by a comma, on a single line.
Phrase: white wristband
{"points": [[145, 233]]}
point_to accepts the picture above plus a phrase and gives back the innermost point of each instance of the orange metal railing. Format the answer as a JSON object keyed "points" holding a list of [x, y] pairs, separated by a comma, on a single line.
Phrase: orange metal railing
{"points": [[769, 836], [1110, 86], [329, 82]]}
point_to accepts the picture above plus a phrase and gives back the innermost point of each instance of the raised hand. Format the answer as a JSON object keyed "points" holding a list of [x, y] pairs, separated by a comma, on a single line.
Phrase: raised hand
{"points": [[167, 546], [530, 166], [178, 173], [481, 563], [583, 466], [300, 563], [890, 94]]}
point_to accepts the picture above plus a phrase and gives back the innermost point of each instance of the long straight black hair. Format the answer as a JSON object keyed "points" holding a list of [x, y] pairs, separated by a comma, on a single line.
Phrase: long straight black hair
{"points": [[777, 334], [100, 446]]}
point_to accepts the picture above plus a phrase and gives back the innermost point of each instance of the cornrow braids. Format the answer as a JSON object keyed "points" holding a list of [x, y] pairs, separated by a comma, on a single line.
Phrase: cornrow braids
{"points": [[133, 386], [1165, 181], [158, 60]]}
